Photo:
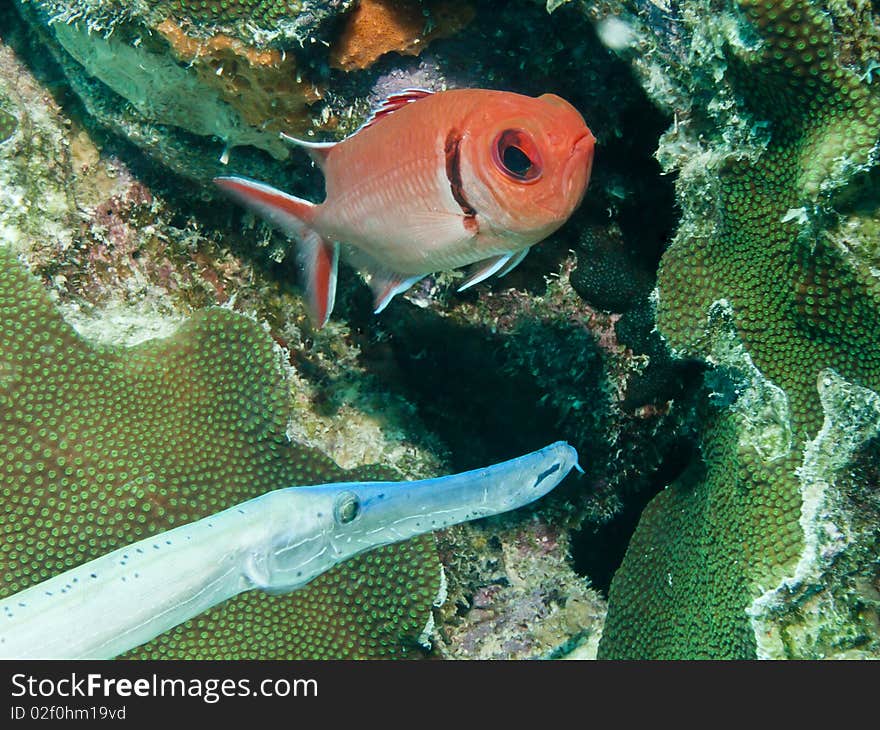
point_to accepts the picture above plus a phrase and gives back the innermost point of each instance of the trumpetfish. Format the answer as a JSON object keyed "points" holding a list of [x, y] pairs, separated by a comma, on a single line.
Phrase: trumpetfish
{"points": [[431, 182], [276, 542]]}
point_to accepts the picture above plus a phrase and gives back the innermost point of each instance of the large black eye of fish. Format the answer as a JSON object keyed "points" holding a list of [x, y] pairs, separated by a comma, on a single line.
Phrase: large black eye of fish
{"points": [[516, 155], [347, 507]]}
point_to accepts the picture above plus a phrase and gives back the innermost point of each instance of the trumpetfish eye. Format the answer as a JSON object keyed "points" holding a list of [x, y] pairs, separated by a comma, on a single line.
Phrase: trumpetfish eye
{"points": [[348, 506], [517, 156]]}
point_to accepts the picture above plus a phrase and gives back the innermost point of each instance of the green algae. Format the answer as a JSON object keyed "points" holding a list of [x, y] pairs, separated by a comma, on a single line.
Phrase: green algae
{"points": [[105, 445]]}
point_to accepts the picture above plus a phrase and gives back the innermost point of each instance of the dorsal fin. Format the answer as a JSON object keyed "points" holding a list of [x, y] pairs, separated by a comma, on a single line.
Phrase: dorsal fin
{"points": [[394, 102], [318, 151]]}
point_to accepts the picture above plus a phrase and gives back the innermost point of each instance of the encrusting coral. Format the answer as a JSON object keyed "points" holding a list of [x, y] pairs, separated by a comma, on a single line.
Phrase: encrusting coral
{"points": [[260, 12], [189, 91], [724, 562], [105, 445]]}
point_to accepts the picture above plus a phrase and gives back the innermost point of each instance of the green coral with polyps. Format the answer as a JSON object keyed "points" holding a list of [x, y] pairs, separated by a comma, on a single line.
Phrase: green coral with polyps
{"points": [[722, 559], [101, 446], [263, 12]]}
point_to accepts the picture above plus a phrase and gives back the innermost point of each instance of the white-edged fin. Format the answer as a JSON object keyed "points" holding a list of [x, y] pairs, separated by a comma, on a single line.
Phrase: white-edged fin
{"points": [[317, 258], [395, 101], [319, 262], [318, 151], [515, 261], [288, 214], [387, 285], [484, 269]]}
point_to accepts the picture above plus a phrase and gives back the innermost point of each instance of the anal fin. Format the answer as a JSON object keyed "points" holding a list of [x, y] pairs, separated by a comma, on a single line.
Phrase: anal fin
{"points": [[319, 262]]}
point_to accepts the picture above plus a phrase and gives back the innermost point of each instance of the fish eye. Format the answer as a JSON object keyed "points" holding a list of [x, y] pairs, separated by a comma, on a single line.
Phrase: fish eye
{"points": [[516, 155], [347, 507]]}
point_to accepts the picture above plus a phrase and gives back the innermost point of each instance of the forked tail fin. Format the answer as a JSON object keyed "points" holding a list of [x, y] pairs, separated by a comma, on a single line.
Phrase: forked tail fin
{"points": [[317, 258]]}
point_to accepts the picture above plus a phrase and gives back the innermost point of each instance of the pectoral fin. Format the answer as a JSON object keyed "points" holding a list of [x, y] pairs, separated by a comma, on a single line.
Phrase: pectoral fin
{"points": [[514, 261], [485, 268]]}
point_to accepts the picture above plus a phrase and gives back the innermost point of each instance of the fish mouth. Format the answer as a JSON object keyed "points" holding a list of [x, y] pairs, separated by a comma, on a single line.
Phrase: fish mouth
{"points": [[585, 140], [576, 173]]}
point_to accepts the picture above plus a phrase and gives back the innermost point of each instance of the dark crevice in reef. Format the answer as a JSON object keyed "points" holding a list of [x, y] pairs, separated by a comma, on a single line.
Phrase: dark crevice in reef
{"points": [[629, 214], [597, 551], [485, 395]]}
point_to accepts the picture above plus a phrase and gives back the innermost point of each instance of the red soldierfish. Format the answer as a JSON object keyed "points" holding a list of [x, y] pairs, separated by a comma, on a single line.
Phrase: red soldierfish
{"points": [[433, 182]]}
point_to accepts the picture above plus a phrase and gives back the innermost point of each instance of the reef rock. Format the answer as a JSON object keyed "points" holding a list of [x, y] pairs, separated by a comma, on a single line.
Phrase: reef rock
{"points": [[758, 548]]}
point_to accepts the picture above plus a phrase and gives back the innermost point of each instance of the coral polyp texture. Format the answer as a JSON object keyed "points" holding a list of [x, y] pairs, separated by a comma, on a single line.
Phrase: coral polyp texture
{"points": [[754, 549], [260, 12], [105, 445]]}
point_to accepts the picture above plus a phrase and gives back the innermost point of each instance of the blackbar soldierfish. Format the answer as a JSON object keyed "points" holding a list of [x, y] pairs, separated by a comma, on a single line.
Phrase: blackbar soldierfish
{"points": [[433, 181]]}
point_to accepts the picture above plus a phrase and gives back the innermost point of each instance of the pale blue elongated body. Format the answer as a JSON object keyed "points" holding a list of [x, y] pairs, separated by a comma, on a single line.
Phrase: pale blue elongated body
{"points": [[277, 542]]}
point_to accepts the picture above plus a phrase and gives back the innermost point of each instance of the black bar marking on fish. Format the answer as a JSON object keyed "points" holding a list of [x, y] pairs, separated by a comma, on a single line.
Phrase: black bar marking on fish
{"points": [[453, 174], [544, 474]]}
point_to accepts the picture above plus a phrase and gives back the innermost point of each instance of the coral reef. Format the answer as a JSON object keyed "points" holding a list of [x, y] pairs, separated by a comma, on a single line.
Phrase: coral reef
{"points": [[509, 598], [8, 125], [88, 468], [124, 263], [774, 164], [735, 367], [260, 12], [188, 93], [262, 85], [105, 446], [279, 22]]}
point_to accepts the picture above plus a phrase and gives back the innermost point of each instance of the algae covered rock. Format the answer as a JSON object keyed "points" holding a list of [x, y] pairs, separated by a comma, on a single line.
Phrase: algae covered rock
{"points": [[186, 87], [772, 156], [199, 84]]}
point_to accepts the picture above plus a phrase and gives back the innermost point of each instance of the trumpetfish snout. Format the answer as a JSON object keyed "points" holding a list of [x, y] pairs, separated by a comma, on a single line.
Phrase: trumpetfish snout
{"points": [[277, 542]]}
